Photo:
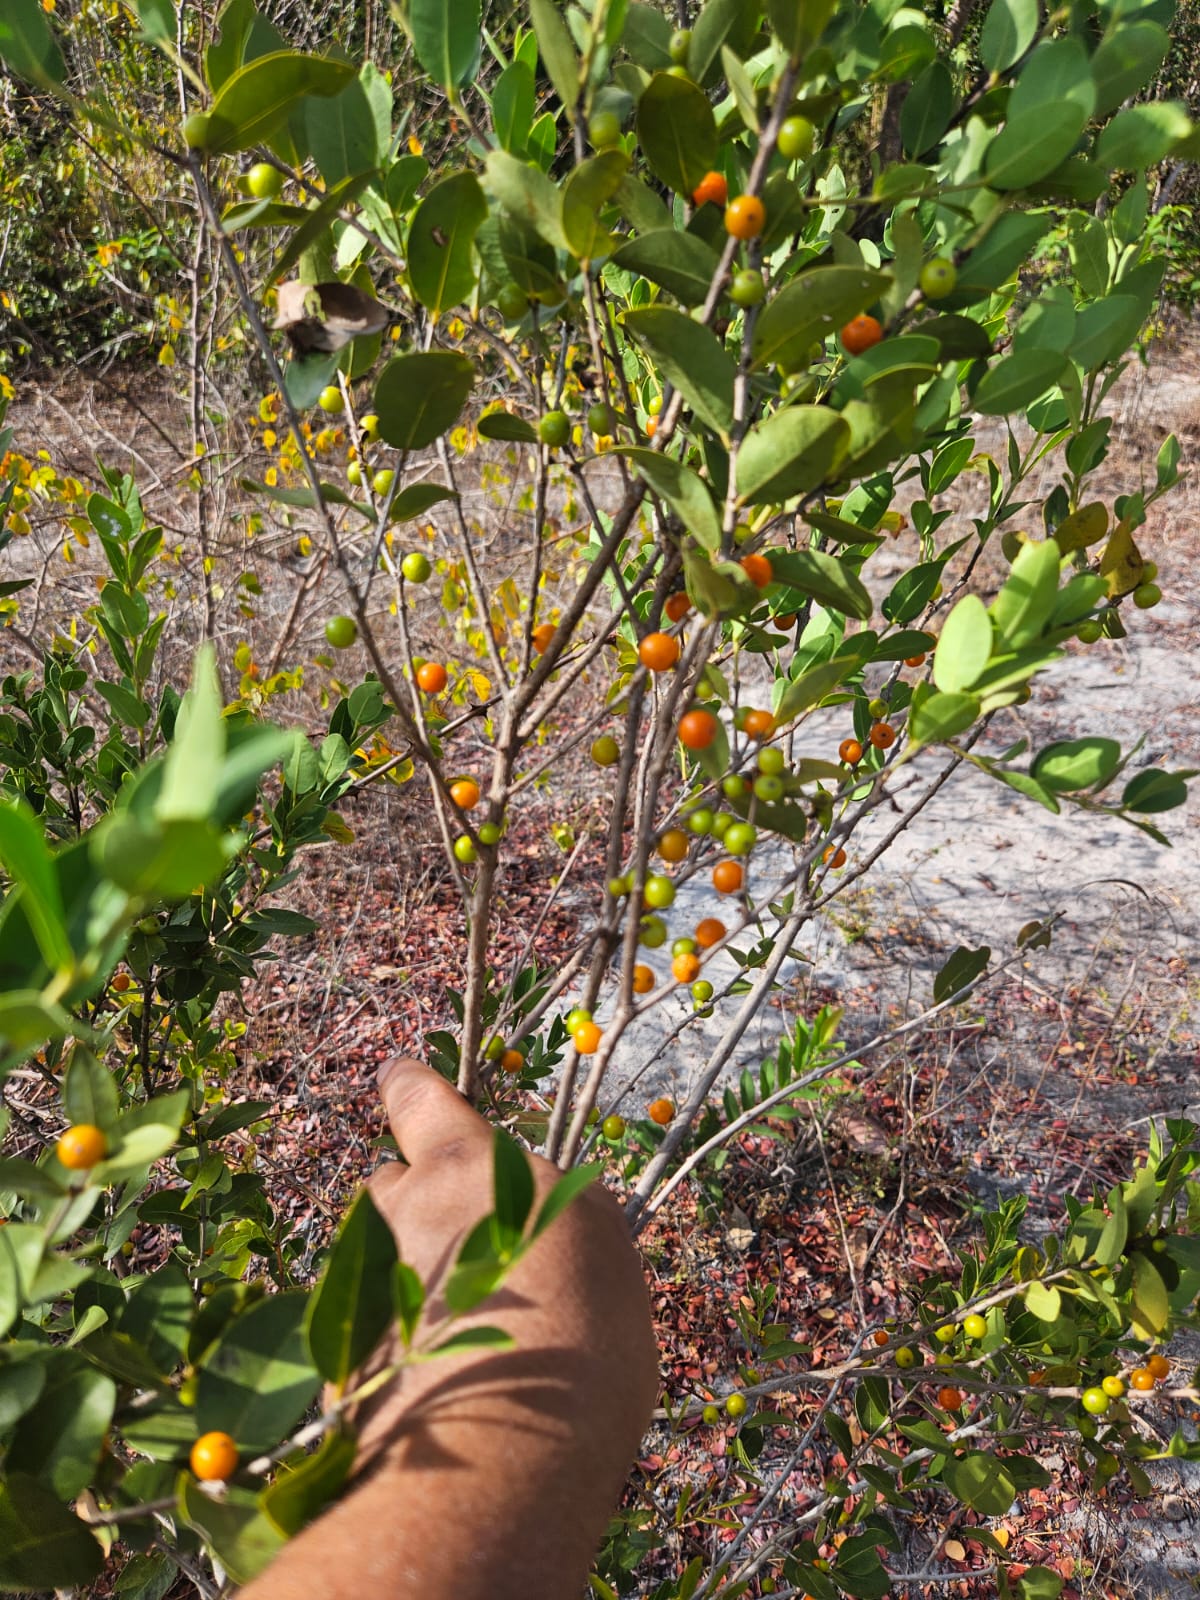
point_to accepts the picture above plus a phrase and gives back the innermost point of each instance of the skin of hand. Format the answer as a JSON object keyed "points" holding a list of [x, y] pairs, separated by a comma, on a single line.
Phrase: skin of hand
{"points": [[490, 1474]]}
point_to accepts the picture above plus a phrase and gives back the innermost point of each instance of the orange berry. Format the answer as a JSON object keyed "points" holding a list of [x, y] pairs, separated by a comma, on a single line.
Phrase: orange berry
{"points": [[658, 652], [678, 605], [709, 931], [949, 1399], [711, 190], [465, 794], [512, 1061], [834, 857], [850, 751], [697, 729], [745, 217], [587, 1038], [121, 982], [673, 845], [1141, 1378], [651, 427], [432, 677], [727, 877], [214, 1457], [661, 1111], [1158, 1367], [915, 661], [758, 569], [541, 637], [758, 724], [860, 333], [686, 968], [882, 735], [82, 1147], [880, 1336], [643, 979]]}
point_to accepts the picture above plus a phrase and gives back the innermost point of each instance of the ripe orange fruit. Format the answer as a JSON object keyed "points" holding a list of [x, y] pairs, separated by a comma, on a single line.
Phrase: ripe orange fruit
{"points": [[214, 1457], [758, 724], [850, 751], [643, 979], [512, 1061], [465, 794], [541, 637], [758, 569], [727, 877], [678, 605], [697, 729], [880, 1336], [587, 1038], [673, 845], [658, 652], [709, 931], [1158, 1366], [686, 968], [915, 661], [745, 217], [661, 1111], [860, 333], [432, 677], [1141, 1378], [834, 857], [882, 735], [121, 982], [949, 1399], [82, 1147], [711, 190]]}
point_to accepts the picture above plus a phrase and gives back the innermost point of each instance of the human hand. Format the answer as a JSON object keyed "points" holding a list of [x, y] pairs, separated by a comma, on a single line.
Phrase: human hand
{"points": [[494, 1472]]}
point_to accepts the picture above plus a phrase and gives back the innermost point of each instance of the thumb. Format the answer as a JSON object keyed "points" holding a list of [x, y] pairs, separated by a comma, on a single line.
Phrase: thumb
{"points": [[428, 1116]]}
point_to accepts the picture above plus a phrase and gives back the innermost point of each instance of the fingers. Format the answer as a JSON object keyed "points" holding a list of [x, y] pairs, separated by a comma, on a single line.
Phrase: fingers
{"points": [[428, 1116]]}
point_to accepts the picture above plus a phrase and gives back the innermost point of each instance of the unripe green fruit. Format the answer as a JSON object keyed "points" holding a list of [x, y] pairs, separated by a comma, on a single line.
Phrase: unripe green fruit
{"points": [[659, 891], [702, 991], [771, 759], [1146, 596], [946, 1334], [747, 288], [613, 1128], [490, 833], [416, 567], [354, 474], [878, 708], [975, 1326], [494, 1048], [734, 786], [679, 72], [797, 136], [721, 824], [1088, 632], [1095, 1401], [604, 130], [906, 1357], [554, 429], [711, 1416], [512, 303], [464, 850], [576, 1016], [341, 632], [652, 932], [383, 480], [740, 839], [735, 1405], [606, 752], [938, 278], [683, 947], [195, 131], [601, 418], [619, 887], [681, 43], [264, 181], [768, 788], [330, 399], [1149, 570], [700, 821]]}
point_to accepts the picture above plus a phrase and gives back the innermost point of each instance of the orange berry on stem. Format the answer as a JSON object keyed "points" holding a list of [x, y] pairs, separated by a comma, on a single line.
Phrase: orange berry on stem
{"points": [[758, 724], [432, 677], [711, 190], [686, 968], [697, 729], [727, 877], [512, 1061], [465, 794], [661, 1111], [81, 1147], [882, 735], [949, 1399], [915, 661], [758, 569], [1158, 1366], [678, 605], [709, 931], [214, 1457], [658, 652], [1141, 1378], [587, 1038], [673, 845], [745, 217], [850, 751], [834, 856], [643, 979], [541, 637], [860, 333]]}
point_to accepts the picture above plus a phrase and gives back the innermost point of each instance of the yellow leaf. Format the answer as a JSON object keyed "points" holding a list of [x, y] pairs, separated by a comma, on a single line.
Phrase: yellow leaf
{"points": [[1082, 528], [1121, 564], [1001, 1536], [954, 1551]]}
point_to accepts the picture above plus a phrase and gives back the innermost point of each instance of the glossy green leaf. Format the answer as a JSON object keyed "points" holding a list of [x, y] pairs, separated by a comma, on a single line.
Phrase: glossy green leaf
{"points": [[528, 195], [927, 109], [320, 218], [1009, 28], [1073, 764], [1151, 1304], [795, 450], [159, 1315], [683, 490], [245, 34], [504, 425], [1007, 245], [799, 23], [590, 186], [1033, 145], [43, 1544], [811, 687], [27, 861], [678, 262], [513, 102], [90, 1091], [1043, 1583], [28, 45], [937, 716], [301, 1492], [689, 357], [351, 1308], [408, 1298], [242, 1537], [445, 37], [26, 1019], [677, 131], [193, 763], [826, 579], [259, 1380], [22, 1380], [1125, 61], [1016, 381], [146, 1577], [557, 53], [59, 1440], [441, 264], [1105, 330], [964, 646], [420, 396], [982, 1482], [1142, 135], [342, 133], [258, 98], [961, 968], [1044, 1300], [812, 306], [1026, 601], [512, 1181], [1153, 791], [1088, 241]]}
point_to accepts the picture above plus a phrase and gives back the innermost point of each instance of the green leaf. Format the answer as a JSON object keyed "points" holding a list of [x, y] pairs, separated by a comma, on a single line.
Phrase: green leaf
{"points": [[242, 1538], [28, 45], [257, 99], [513, 1187], [192, 768], [826, 579], [473, 1339], [1125, 61], [90, 1091], [982, 1482], [320, 217], [445, 38], [683, 490], [28, 862], [1073, 764], [571, 1183], [964, 647], [420, 396], [1026, 602], [513, 102], [528, 195], [810, 688], [927, 109], [1042, 1583], [935, 717], [259, 1381], [590, 186], [302, 1491], [351, 1308], [146, 1577], [689, 357], [60, 1439], [1082, 528], [303, 379], [960, 968], [441, 265], [22, 1380], [793, 451], [341, 133], [679, 263], [408, 1298], [27, 1019], [1088, 241], [1151, 1304], [811, 307], [720, 21], [1142, 135], [1105, 330], [504, 425], [43, 1545], [1043, 1300], [1009, 28], [1153, 791], [799, 23], [159, 1316], [1016, 381], [1008, 244], [557, 53], [677, 131], [245, 34], [1032, 145]]}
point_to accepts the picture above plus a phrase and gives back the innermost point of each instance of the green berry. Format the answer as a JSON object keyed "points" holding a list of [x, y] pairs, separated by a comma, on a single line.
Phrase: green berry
{"points": [[659, 891], [195, 131], [975, 1326], [512, 303], [1149, 570], [683, 947], [735, 1405], [1088, 632], [601, 418], [797, 136], [554, 429], [906, 1357], [702, 991], [341, 632], [264, 181], [721, 824], [652, 932], [383, 480], [489, 833], [938, 278], [711, 1416], [330, 399], [354, 474], [464, 850], [604, 130], [416, 567], [700, 821], [733, 787], [494, 1048], [740, 839], [1095, 1401], [681, 43], [618, 887], [1146, 595], [577, 1015], [878, 708], [946, 1334], [768, 788], [771, 760], [747, 288], [613, 1128], [606, 752]]}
